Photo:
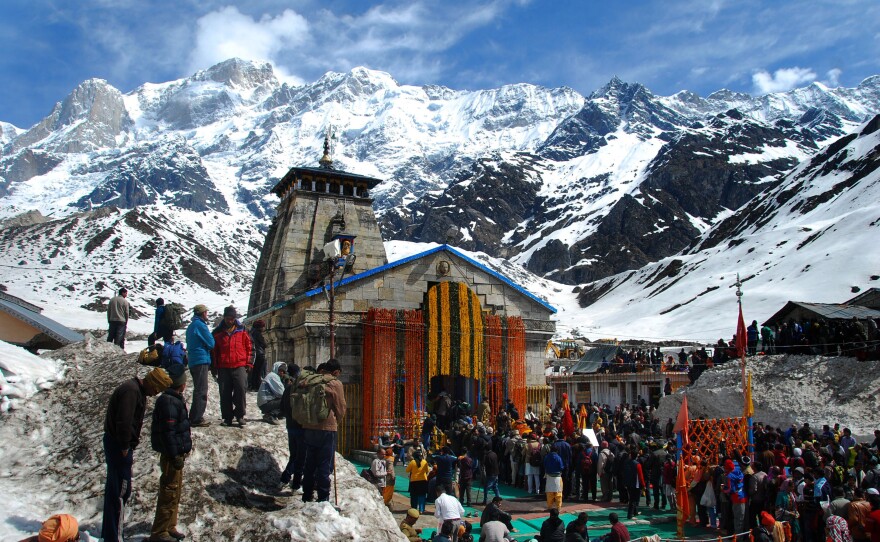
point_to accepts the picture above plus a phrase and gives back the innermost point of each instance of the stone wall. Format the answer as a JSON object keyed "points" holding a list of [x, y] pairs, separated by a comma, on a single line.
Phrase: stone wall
{"points": [[298, 332]]}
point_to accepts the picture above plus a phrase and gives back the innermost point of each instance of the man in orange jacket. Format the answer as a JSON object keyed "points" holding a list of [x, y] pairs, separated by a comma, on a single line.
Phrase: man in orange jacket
{"points": [[231, 361]]}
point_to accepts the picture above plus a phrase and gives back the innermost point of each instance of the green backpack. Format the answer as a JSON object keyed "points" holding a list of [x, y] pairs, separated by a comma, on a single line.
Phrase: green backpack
{"points": [[308, 400], [172, 318]]}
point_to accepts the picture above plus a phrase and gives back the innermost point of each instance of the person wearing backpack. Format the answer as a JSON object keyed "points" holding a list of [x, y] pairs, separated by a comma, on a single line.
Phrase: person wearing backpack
{"points": [[200, 343], [320, 437], [606, 470], [232, 359], [589, 469], [159, 330], [533, 465]]}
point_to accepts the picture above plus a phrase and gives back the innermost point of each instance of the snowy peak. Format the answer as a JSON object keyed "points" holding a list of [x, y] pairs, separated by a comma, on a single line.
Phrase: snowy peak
{"points": [[238, 73], [91, 117]]}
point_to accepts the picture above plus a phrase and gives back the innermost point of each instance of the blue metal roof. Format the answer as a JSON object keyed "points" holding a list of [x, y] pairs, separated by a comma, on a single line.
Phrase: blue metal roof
{"points": [[50, 327], [441, 248]]}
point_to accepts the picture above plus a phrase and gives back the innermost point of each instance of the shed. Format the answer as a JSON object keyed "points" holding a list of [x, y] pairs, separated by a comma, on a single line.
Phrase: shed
{"points": [[799, 310], [23, 324]]}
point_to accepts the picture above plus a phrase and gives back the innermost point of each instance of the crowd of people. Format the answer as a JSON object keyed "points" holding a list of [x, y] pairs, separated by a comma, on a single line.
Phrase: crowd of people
{"points": [[797, 484]]}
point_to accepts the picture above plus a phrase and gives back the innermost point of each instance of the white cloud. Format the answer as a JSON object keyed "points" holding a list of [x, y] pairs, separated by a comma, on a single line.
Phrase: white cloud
{"points": [[228, 33], [832, 78], [782, 79]]}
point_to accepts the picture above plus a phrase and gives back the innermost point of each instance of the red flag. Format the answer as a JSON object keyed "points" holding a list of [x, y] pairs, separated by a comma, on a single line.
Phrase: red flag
{"points": [[741, 338], [681, 424]]}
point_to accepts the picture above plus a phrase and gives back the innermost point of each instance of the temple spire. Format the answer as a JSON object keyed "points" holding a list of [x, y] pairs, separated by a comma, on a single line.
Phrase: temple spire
{"points": [[326, 161]]}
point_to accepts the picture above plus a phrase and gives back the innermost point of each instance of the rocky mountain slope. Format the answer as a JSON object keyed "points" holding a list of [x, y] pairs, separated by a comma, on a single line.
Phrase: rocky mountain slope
{"points": [[806, 238], [572, 188]]}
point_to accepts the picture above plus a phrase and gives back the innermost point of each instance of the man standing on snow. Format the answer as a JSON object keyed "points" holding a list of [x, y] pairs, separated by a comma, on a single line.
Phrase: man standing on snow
{"points": [[320, 439], [200, 343], [122, 433], [118, 311], [170, 436], [232, 360]]}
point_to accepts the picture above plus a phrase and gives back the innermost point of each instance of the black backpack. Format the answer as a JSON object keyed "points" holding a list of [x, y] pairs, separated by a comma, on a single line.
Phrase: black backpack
{"points": [[535, 457], [609, 464], [172, 318]]}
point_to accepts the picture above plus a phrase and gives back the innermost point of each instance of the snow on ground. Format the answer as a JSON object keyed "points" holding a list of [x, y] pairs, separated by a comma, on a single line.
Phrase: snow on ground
{"points": [[231, 492], [789, 389], [23, 374]]}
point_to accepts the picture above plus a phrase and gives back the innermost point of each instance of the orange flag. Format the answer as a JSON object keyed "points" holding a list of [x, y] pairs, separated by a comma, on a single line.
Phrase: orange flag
{"points": [[681, 424], [681, 493]]}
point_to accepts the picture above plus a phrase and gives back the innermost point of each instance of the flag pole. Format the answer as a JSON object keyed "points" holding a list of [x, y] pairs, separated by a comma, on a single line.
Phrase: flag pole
{"points": [[741, 345]]}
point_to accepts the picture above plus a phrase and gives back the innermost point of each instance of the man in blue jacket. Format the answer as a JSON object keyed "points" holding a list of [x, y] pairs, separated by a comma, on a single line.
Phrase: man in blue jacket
{"points": [[199, 342]]}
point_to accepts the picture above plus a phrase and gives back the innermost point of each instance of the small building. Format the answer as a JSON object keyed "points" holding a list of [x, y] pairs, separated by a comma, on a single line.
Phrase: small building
{"points": [[614, 388], [23, 324], [870, 299], [587, 382], [403, 331], [800, 310]]}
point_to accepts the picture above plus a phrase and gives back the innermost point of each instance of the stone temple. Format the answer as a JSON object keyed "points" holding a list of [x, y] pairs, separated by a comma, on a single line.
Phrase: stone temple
{"points": [[404, 330]]}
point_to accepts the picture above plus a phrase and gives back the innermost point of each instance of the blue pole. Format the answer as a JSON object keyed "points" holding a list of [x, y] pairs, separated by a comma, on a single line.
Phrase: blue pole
{"points": [[751, 440], [679, 442]]}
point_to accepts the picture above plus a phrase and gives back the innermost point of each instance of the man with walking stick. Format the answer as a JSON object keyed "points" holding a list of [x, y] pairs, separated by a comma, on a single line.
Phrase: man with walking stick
{"points": [[319, 415]]}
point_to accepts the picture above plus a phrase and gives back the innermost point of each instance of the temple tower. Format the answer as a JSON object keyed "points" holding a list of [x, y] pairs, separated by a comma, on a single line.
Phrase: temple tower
{"points": [[317, 206]]}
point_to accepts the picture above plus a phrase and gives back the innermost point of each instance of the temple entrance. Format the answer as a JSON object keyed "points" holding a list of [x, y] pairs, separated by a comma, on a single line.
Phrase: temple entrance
{"points": [[459, 388], [449, 345]]}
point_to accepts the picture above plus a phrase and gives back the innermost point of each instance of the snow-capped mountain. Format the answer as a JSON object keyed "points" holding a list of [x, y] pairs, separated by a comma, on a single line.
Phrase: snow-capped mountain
{"points": [[808, 238], [571, 188]]}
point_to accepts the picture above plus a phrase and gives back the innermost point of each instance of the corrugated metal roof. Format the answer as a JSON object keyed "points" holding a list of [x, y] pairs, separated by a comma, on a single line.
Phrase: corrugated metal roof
{"points": [[830, 311], [392, 265], [591, 361], [50, 327]]}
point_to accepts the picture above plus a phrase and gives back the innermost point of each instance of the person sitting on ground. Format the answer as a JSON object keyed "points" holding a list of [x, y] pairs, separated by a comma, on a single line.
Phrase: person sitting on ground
{"points": [[579, 526], [577, 531], [407, 525], [445, 532], [619, 532], [553, 528], [493, 512], [173, 353], [270, 392], [58, 528], [447, 509], [495, 531]]}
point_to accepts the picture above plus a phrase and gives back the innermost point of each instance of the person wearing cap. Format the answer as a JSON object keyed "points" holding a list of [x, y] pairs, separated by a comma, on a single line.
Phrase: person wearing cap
{"points": [[170, 436], [118, 313], [231, 360], [122, 434], [58, 528], [259, 371], [200, 343], [407, 526]]}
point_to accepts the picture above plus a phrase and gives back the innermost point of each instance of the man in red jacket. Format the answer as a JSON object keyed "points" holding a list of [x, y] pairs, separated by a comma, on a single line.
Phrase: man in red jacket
{"points": [[231, 361]]}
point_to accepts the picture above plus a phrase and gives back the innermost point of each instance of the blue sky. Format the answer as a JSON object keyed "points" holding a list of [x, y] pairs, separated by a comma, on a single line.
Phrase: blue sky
{"points": [[50, 46]]}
